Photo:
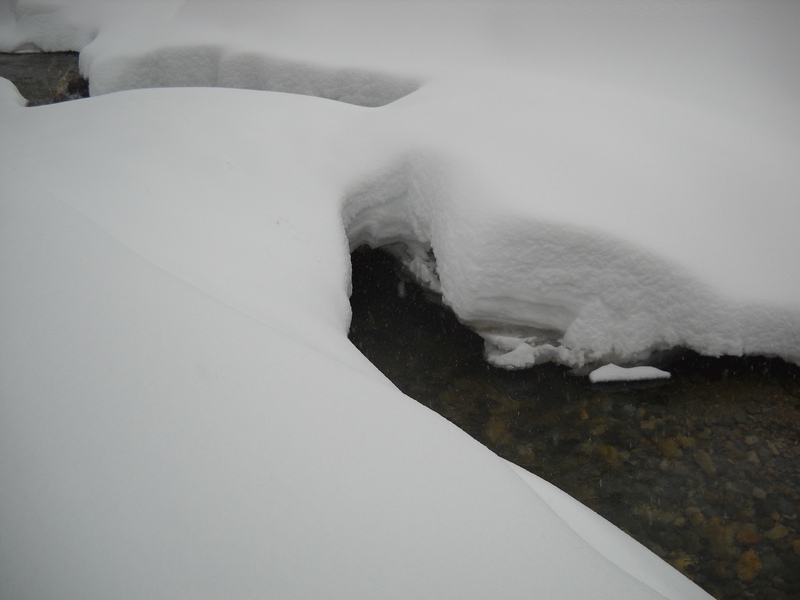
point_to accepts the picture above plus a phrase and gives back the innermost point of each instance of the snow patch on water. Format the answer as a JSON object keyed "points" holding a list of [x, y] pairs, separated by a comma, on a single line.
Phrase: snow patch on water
{"points": [[612, 372]]}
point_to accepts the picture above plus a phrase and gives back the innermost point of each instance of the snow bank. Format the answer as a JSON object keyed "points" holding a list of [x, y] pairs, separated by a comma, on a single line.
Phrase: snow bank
{"points": [[556, 247], [10, 94], [584, 183], [183, 415]]}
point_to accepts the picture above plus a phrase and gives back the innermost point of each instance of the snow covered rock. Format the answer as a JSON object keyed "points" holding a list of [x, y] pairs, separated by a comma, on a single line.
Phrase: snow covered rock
{"points": [[611, 372]]}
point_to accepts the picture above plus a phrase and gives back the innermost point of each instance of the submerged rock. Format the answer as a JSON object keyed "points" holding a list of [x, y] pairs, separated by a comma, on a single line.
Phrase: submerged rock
{"points": [[703, 460], [749, 566]]}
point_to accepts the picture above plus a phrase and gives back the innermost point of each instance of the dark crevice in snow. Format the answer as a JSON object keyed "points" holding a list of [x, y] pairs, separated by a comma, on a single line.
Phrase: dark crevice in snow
{"points": [[385, 294]]}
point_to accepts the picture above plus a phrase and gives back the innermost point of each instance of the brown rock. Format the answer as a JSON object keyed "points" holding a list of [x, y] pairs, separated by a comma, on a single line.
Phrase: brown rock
{"points": [[695, 515], [720, 570], [748, 535], [752, 457], [526, 453], [777, 533], [796, 546], [749, 566], [610, 455], [679, 468], [669, 448], [773, 448], [703, 460], [745, 515], [720, 539], [685, 563], [497, 432], [648, 425]]}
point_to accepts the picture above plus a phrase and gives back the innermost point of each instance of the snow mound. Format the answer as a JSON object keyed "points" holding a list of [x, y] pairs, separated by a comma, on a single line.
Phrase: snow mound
{"points": [[569, 204], [9, 93], [182, 411], [612, 372], [205, 65]]}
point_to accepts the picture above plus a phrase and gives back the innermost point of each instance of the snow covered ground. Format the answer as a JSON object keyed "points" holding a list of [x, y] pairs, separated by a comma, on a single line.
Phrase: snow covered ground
{"points": [[183, 415]]}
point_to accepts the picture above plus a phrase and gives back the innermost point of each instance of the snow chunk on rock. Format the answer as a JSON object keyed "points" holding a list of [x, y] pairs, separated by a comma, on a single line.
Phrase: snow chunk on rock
{"points": [[612, 372]]}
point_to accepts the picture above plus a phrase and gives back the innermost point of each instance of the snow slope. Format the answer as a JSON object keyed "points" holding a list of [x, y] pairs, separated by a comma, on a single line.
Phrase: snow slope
{"points": [[174, 428], [182, 412]]}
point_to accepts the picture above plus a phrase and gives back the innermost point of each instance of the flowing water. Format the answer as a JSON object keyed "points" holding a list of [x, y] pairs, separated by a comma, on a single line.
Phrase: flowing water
{"points": [[704, 470]]}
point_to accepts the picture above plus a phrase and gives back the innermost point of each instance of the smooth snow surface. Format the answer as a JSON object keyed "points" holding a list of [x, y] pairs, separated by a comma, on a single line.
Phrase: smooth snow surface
{"points": [[182, 414], [612, 372]]}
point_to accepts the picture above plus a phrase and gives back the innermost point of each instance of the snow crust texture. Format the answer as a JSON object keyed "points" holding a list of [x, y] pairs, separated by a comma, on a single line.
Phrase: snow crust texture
{"points": [[183, 415]]}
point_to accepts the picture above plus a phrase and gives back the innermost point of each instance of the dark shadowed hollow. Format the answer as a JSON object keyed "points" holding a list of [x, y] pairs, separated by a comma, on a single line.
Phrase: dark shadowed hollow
{"points": [[704, 470]]}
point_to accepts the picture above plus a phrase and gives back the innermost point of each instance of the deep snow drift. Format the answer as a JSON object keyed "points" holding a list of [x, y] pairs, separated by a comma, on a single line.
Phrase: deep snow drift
{"points": [[182, 412], [183, 415], [583, 183]]}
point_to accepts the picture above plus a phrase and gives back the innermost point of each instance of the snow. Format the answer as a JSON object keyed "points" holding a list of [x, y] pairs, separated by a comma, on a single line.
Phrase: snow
{"points": [[182, 412], [10, 94], [612, 372], [173, 428]]}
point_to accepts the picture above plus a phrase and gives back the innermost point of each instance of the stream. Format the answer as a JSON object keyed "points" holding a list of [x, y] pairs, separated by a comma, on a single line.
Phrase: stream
{"points": [[704, 469]]}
